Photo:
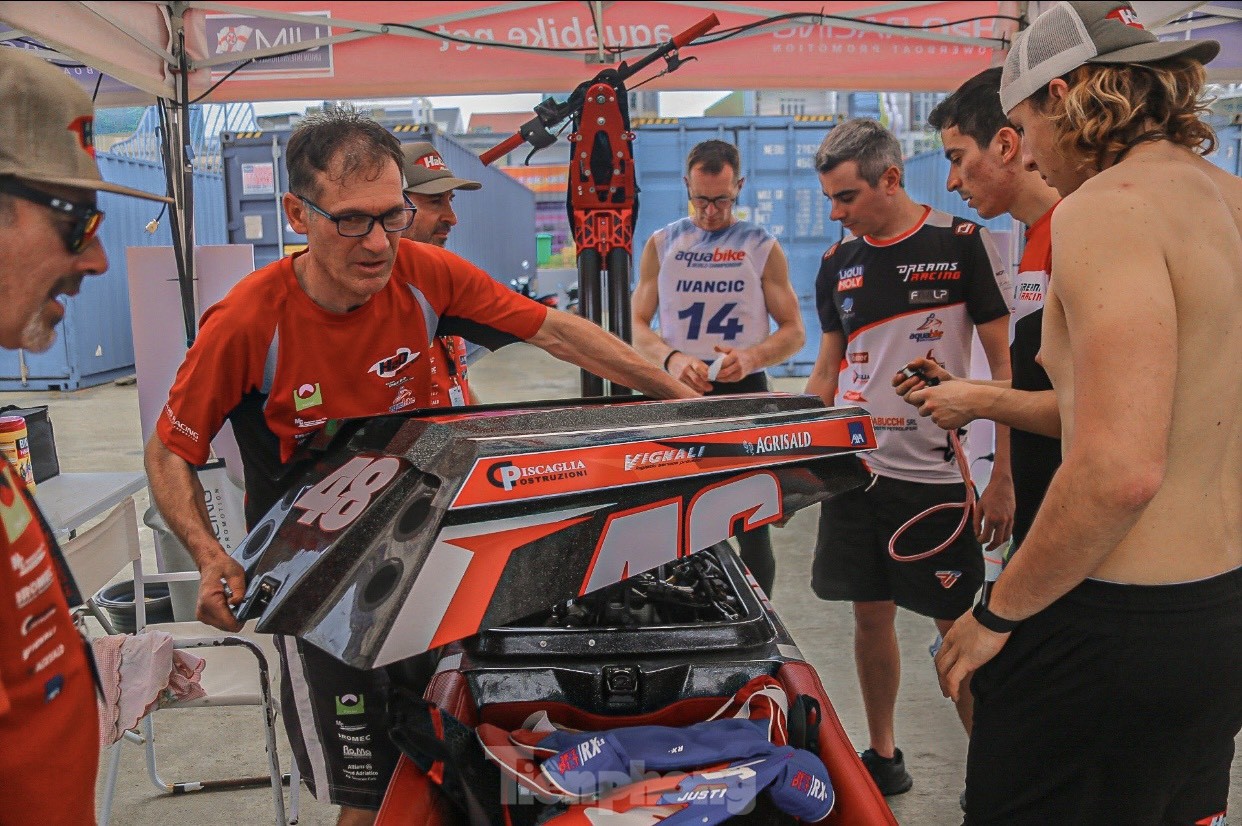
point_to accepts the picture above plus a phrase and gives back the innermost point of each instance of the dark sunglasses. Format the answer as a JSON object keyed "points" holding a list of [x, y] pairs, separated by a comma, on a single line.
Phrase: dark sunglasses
{"points": [[86, 218]]}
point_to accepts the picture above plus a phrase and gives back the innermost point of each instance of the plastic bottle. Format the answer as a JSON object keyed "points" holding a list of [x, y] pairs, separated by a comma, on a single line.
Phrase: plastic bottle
{"points": [[15, 445]]}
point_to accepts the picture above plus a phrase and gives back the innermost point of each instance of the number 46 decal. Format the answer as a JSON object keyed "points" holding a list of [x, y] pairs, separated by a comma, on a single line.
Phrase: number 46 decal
{"points": [[341, 497]]}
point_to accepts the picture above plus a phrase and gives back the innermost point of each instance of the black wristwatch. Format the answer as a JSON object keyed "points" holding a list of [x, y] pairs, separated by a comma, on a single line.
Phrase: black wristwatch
{"points": [[992, 622]]}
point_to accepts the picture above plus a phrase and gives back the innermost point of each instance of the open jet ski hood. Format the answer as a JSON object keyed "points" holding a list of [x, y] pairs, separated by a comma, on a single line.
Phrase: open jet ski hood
{"points": [[413, 531]]}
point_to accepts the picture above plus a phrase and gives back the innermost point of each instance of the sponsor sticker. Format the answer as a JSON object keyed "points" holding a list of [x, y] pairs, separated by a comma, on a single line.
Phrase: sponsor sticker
{"points": [[24, 566], [349, 704], [390, 366], [500, 479], [306, 396]]}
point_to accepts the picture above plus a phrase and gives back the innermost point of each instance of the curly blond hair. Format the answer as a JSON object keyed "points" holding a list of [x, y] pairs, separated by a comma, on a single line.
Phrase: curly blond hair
{"points": [[1109, 107]]}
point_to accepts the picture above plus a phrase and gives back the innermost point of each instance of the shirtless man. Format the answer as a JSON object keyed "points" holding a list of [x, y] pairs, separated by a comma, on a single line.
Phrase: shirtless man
{"points": [[1109, 682]]}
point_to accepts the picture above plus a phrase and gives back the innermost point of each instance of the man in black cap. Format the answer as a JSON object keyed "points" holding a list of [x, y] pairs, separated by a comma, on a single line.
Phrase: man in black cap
{"points": [[49, 742], [1109, 655]]}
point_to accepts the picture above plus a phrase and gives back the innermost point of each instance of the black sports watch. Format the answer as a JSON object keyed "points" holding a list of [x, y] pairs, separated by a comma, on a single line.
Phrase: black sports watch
{"points": [[992, 622]]}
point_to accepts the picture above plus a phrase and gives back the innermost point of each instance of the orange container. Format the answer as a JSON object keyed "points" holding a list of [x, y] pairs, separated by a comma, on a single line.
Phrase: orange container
{"points": [[15, 445]]}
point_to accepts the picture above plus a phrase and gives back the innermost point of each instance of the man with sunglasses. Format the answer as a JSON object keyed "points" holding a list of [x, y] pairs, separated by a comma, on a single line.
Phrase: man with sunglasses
{"points": [[49, 745], [716, 280], [339, 330]]}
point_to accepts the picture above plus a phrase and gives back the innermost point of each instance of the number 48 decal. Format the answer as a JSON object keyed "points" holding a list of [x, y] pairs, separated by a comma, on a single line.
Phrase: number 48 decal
{"points": [[721, 324], [341, 497]]}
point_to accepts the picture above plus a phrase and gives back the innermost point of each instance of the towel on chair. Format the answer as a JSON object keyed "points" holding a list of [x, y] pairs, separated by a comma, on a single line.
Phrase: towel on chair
{"points": [[136, 673]]}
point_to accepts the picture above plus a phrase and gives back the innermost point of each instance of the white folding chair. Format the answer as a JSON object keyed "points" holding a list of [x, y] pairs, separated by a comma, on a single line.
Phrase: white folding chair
{"points": [[236, 671]]}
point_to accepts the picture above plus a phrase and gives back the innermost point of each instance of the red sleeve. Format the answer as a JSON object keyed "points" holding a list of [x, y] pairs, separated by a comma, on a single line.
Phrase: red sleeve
{"points": [[458, 290], [225, 363]]}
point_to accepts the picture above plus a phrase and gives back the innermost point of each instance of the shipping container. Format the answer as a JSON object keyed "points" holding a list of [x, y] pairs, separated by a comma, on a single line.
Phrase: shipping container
{"points": [[495, 225], [94, 343], [781, 193], [1228, 154]]}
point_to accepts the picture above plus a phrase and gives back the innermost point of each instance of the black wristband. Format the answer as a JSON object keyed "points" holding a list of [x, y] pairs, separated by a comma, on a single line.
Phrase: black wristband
{"points": [[669, 358], [992, 622]]}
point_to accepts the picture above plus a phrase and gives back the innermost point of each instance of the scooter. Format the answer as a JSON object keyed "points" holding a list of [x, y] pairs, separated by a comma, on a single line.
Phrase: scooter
{"points": [[523, 286]]}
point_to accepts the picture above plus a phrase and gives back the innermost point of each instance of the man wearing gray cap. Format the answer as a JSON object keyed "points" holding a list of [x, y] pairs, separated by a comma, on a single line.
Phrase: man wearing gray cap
{"points": [[1109, 655], [49, 746], [430, 184]]}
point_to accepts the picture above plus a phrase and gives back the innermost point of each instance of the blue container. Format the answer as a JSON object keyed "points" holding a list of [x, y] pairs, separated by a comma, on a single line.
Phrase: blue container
{"points": [[495, 225], [1228, 154], [94, 343], [782, 193]]}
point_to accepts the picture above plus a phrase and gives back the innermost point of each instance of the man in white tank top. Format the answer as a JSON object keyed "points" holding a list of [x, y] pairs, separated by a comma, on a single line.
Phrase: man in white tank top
{"points": [[716, 281]]}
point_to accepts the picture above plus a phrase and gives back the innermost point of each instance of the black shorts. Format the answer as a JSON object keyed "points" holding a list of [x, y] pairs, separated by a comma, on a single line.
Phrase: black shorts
{"points": [[851, 554], [337, 720], [1116, 704]]}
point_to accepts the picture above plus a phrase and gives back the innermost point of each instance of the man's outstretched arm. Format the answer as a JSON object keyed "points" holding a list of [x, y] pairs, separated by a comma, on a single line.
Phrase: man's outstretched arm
{"points": [[573, 339]]}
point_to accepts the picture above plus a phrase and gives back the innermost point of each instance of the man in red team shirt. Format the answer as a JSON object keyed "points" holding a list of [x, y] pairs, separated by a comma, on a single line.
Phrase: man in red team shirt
{"points": [[49, 742], [334, 332]]}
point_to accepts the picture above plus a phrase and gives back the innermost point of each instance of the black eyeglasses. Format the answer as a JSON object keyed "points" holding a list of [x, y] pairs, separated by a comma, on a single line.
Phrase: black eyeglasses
{"points": [[719, 202], [356, 226], [86, 218]]}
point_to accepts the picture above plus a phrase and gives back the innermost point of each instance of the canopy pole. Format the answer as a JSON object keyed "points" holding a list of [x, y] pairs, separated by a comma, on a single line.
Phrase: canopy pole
{"points": [[179, 158]]}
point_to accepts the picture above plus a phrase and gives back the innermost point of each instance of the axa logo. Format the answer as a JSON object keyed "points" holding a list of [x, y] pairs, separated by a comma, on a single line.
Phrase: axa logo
{"points": [[929, 330], [389, 366], [308, 395], [1129, 16], [964, 229], [948, 578], [233, 39]]}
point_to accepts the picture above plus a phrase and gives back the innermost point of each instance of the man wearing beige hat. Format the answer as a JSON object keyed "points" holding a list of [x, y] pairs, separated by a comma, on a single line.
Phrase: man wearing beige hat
{"points": [[1107, 661], [49, 742], [430, 184]]}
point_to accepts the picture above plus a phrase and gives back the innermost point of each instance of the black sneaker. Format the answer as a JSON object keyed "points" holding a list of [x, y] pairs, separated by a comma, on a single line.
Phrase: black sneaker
{"points": [[889, 773]]}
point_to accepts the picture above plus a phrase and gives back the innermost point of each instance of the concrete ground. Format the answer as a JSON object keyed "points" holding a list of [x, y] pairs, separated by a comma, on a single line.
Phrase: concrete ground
{"points": [[97, 429]]}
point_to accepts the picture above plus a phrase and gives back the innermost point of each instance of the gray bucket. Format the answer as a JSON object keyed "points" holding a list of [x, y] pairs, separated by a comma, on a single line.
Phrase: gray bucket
{"points": [[116, 602]]}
